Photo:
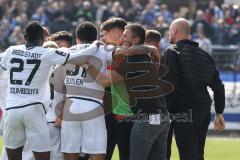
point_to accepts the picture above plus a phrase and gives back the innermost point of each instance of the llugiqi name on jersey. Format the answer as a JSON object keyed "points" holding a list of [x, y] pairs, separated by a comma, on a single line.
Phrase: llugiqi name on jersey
{"points": [[29, 91]]}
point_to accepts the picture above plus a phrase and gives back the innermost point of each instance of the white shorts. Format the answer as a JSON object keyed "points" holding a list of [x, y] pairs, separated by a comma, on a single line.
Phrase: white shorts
{"points": [[55, 142], [28, 123], [84, 136]]}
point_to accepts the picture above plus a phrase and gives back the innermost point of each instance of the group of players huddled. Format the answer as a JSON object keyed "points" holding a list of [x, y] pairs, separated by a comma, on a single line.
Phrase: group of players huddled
{"points": [[54, 98]]}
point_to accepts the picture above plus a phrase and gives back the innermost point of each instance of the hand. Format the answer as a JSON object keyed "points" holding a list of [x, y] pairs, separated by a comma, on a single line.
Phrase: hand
{"points": [[120, 53], [155, 55], [219, 123], [58, 122]]}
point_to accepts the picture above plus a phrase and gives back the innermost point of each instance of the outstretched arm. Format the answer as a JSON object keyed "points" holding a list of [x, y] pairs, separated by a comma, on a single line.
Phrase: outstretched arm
{"points": [[139, 50], [104, 79], [80, 57], [3, 63]]}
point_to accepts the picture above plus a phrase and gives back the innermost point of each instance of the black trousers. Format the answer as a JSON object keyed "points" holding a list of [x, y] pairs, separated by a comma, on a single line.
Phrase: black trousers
{"points": [[190, 134], [169, 142], [119, 133]]}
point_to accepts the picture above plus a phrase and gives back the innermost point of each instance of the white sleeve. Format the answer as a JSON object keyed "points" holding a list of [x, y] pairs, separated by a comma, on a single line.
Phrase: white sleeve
{"points": [[58, 56], [108, 51], [80, 57], [3, 60]]}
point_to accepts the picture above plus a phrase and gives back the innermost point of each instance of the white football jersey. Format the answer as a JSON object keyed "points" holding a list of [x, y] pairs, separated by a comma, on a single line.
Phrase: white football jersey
{"points": [[28, 71], [3, 89], [78, 77]]}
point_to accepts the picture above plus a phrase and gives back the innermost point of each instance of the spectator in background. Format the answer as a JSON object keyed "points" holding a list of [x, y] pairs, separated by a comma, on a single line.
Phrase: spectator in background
{"points": [[235, 12], [25, 8], [5, 30], [71, 9], [176, 15], [3, 41], [201, 21], [156, 5], [61, 8], [203, 41], [220, 33], [183, 12], [47, 12], [166, 13], [148, 15], [14, 9], [227, 14], [40, 16], [213, 7], [210, 16], [16, 38], [192, 9], [133, 13], [22, 20], [101, 11], [117, 10], [161, 25], [235, 34], [85, 12], [2, 10], [164, 43], [55, 8], [60, 23]]}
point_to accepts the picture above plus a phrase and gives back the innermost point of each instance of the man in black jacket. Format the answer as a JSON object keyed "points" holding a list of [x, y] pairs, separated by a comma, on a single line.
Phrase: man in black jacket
{"points": [[191, 70]]}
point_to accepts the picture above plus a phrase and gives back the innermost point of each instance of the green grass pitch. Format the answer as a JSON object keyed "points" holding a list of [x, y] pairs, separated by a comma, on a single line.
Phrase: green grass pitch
{"points": [[216, 149]]}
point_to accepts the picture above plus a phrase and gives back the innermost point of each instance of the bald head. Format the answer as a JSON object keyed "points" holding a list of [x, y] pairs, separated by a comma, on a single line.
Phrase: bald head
{"points": [[182, 25], [179, 30]]}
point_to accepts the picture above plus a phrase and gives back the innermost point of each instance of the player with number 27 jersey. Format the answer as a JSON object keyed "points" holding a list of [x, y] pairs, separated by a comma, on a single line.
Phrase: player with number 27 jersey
{"points": [[29, 72], [28, 89]]}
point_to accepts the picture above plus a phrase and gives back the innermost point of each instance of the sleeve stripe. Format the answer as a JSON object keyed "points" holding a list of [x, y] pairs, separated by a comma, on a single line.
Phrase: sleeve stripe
{"points": [[66, 59], [3, 67]]}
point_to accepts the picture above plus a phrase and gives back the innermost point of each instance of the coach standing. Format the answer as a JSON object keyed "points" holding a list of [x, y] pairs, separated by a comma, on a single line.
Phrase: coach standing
{"points": [[191, 70]]}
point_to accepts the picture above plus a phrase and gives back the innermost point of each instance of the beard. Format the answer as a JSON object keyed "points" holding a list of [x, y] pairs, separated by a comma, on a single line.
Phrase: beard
{"points": [[172, 41]]}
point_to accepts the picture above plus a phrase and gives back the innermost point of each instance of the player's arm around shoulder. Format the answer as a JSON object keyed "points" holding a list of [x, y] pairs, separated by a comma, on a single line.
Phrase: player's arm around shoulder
{"points": [[139, 50], [104, 79]]}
